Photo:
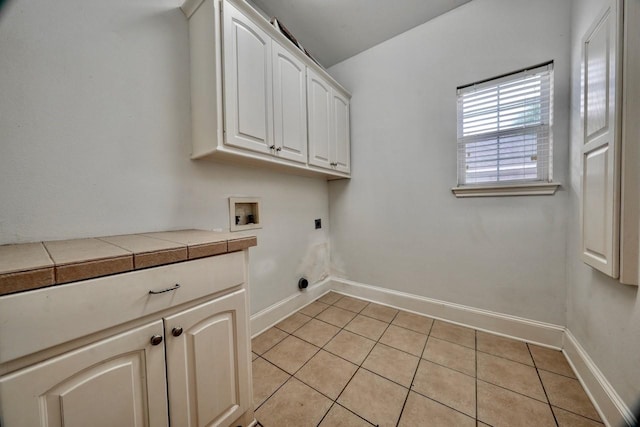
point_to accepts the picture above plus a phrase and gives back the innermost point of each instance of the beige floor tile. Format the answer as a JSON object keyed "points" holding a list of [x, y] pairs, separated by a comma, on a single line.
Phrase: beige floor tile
{"points": [[266, 340], [341, 417], [366, 326], [366, 388], [380, 312], [253, 356], [350, 346], [447, 386], [512, 375], [551, 360], [336, 316], [454, 333], [392, 364], [567, 419], [420, 411], [330, 298], [504, 347], [351, 304], [317, 332], [313, 309], [414, 322], [293, 322], [266, 379], [567, 393], [293, 405], [503, 408], [290, 354], [404, 339], [327, 373], [451, 355]]}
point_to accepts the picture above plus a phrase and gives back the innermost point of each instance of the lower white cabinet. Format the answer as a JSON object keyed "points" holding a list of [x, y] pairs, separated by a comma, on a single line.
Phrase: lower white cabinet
{"points": [[207, 360], [119, 381], [186, 365]]}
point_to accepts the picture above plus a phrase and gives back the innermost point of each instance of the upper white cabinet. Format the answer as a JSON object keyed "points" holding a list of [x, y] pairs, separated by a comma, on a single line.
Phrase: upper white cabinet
{"points": [[248, 85], [609, 165], [319, 95], [289, 105], [329, 135], [250, 96]]}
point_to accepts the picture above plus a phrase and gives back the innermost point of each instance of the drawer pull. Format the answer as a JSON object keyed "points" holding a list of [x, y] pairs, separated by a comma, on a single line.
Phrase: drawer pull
{"points": [[173, 288]]}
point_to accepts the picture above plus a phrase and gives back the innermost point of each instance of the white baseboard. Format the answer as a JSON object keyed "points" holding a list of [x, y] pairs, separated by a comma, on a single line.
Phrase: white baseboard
{"points": [[612, 409], [273, 314], [532, 331]]}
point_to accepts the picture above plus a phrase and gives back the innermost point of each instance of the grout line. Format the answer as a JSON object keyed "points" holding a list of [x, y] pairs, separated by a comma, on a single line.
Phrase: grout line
{"points": [[476, 379], [512, 391], [544, 389], [576, 414], [414, 374]]}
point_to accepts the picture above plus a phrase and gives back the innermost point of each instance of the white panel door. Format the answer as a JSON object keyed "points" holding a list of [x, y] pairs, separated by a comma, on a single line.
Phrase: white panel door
{"points": [[601, 149], [208, 363], [319, 113], [119, 381], [289, 105], [341, 140], [248, 88]]}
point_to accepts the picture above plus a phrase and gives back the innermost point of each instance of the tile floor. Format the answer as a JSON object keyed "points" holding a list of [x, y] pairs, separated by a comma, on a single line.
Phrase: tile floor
{"points": [[341, 361]]}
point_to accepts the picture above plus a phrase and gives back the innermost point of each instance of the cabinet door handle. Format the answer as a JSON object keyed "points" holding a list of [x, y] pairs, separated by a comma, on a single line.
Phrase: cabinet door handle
{"points": [[173, 288], [279, 148], [272, 147], [176, 331], [156, 339]]}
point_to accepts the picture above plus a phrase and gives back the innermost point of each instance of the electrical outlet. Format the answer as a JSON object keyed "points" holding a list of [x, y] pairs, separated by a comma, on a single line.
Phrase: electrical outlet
{"points": [[318, 223]]}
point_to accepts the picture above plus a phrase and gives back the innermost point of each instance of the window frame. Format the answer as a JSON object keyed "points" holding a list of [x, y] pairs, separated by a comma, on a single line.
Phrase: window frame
{"points": [[541, 185]]}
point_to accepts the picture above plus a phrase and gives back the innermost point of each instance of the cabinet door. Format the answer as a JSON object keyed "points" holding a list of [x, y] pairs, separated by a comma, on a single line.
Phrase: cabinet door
{"points": [[319, 111], [208, 364], [341, 140], [247, 83], [601, 150], [289, 105], [119, 381]]}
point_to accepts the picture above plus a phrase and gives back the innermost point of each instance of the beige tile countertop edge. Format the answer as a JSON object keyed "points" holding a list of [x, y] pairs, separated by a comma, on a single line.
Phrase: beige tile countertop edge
{"points": [[22, 265]]}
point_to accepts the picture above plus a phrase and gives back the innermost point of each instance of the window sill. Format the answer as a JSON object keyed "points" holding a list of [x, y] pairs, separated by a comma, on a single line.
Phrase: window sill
{"points": [[523, 189]]}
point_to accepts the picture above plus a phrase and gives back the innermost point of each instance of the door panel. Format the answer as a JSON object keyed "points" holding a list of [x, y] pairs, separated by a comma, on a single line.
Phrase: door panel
{"points": [[341, 139], [290, 105], [119, 381], [319, 97], [600, 210], [208, 363], [247, 83]]}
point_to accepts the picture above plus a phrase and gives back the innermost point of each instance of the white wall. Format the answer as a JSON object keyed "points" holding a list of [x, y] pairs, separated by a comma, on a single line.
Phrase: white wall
{"points": [[602, 314], [395, 223], [95, 140]]}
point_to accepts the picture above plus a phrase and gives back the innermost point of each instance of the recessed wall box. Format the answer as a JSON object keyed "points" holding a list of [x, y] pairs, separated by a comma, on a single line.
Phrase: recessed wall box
{"points": [[244, 213]]}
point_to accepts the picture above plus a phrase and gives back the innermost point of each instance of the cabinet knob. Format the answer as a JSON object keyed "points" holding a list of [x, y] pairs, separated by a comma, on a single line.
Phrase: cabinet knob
{"points": [[272, 147], [176, 331], [156, 339], [279, 148]]}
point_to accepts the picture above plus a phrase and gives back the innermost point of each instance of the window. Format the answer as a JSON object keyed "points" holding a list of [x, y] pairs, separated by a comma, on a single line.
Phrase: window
{"points": [[504, 132]]}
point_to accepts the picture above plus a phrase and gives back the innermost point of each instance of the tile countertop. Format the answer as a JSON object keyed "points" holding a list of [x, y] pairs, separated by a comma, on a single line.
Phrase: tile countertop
{"points": [[35, 265]]}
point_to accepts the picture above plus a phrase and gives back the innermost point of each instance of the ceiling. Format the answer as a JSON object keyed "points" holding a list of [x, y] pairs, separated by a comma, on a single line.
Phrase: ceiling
{"points": [[334, 30]]}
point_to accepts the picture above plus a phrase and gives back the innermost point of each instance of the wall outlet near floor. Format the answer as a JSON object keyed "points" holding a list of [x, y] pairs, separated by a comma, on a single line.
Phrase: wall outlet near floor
{"points": [[318, 223]]}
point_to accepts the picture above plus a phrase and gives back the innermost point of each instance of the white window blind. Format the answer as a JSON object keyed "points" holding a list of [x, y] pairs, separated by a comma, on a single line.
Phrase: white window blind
{"points": [[504, 128]]}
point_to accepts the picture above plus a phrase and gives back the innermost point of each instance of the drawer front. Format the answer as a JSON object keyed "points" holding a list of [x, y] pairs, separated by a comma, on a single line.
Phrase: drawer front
{"points": [[36, 320]]}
